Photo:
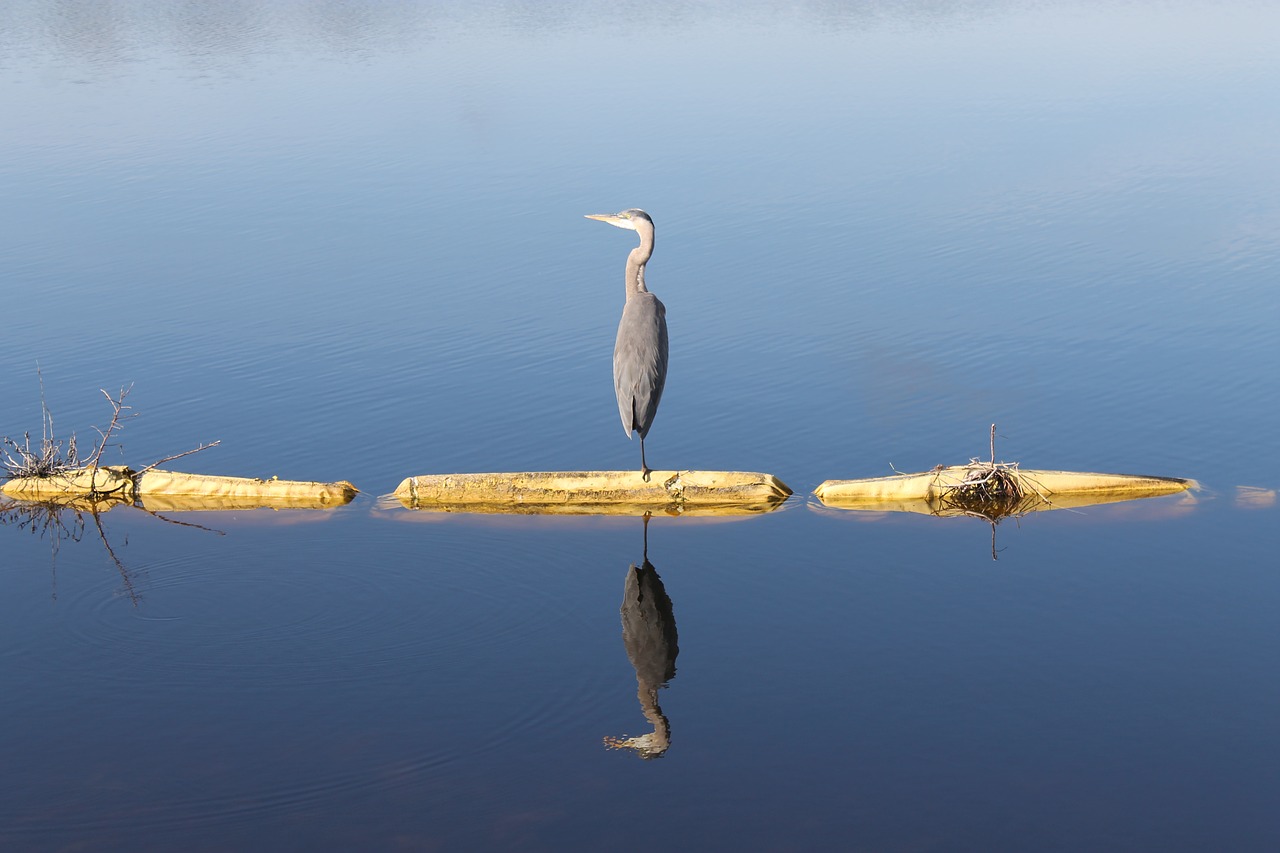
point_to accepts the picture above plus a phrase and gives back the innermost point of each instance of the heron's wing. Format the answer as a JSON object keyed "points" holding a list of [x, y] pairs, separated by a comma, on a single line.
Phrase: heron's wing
{"points": [[640, 361]]}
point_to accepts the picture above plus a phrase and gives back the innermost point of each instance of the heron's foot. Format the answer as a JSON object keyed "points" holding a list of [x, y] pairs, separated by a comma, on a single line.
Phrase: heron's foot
{"points": [[644, 474]]}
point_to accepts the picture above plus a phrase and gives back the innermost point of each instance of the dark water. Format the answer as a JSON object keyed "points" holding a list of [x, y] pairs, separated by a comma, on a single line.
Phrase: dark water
{"points": [[346, 239]]}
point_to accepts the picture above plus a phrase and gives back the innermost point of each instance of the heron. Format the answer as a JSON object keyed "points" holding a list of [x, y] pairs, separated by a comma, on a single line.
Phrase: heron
{"points": [[640, 352]]}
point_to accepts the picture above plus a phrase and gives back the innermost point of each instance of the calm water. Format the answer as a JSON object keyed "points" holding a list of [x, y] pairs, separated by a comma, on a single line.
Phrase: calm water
{"points": [[346, 239]]}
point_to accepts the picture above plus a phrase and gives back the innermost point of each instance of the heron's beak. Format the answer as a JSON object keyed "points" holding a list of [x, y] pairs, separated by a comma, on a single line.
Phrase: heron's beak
{"points": [[612, 218]]}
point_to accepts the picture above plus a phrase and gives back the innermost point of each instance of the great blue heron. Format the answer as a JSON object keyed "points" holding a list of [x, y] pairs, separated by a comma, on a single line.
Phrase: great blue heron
{"points": [[640, 352]]}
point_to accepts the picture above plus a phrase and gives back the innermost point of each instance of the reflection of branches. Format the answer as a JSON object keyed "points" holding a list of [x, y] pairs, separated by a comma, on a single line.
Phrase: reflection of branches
{"points": [[167, 520], [120, 567], [64, 518], [45, 519], [993, 521], [66, 521], [42, 518]]}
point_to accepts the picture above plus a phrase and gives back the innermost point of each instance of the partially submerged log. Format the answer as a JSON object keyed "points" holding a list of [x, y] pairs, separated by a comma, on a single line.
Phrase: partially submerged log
{"points": [[173, 490], [972, 490], [596, 492], [90, 482]]}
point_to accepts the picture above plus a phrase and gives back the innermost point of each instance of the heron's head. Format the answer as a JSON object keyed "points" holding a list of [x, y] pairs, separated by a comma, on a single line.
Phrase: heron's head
{"points": [[629, 219]]}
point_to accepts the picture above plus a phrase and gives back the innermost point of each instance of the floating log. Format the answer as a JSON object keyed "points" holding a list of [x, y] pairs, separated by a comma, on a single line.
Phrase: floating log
{"points": [[91, 482], [156, 487], [947, 491], [596, 492], [173, 490]]}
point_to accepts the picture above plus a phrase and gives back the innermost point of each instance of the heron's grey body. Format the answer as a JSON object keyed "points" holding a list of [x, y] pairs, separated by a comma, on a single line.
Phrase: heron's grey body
{"points": [[640, 351]]}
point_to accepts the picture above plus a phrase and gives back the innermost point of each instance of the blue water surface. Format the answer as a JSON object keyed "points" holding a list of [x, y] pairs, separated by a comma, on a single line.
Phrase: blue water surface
{"points": [[345, 239]]}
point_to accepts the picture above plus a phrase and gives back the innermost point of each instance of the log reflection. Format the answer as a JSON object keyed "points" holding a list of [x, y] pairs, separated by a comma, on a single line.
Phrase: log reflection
{"points": [[649, 636]]}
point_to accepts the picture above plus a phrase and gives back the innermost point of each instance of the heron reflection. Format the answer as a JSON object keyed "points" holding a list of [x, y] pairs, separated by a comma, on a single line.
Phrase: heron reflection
{"points": [[649, 635]]}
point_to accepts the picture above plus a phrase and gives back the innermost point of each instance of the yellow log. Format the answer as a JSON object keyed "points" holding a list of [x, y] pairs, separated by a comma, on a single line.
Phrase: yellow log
{"points": [[160, 490], [101, 481], [156, 486], [673, 509], [927, 492], [595, 492]]}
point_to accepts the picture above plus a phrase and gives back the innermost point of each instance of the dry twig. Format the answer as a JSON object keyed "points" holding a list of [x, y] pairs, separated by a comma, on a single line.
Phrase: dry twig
{"points": [[160, 462], [49, 460], [117, 407], [989, 489]]}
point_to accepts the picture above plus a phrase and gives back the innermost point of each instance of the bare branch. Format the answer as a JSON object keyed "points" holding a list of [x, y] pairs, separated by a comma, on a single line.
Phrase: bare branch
{"points": [[46, 416], [24, 460], [117, 406], [179, 456]]}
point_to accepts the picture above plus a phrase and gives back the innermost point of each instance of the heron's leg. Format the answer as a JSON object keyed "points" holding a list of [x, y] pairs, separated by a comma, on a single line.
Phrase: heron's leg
{"points": [[644, 467]]}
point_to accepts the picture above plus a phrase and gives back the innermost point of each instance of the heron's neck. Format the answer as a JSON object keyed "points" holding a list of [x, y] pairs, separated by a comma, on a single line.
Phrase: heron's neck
{"points": [[635, 264]]}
